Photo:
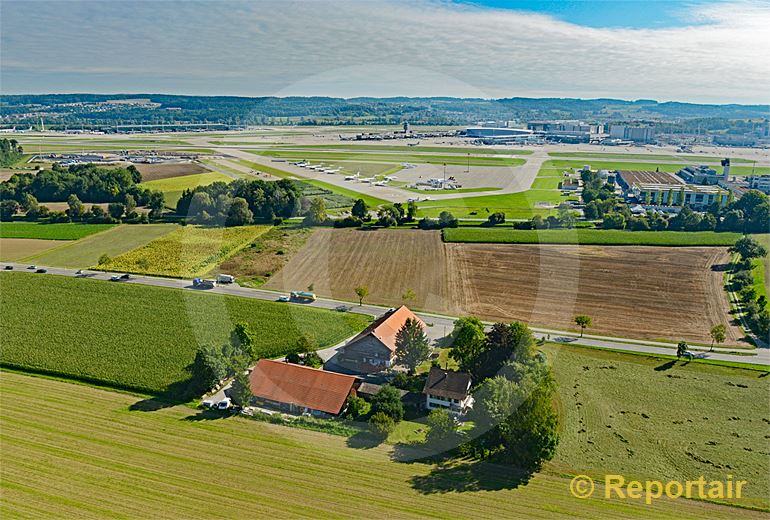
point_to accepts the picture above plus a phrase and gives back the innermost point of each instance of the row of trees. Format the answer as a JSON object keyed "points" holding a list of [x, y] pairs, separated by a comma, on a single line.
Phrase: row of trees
{"points": [[10, 152], [240, 202], [755, 306]]}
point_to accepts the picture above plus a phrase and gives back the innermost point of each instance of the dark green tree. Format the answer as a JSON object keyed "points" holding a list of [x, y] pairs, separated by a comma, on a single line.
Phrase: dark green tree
{"points": [[412, 345]]}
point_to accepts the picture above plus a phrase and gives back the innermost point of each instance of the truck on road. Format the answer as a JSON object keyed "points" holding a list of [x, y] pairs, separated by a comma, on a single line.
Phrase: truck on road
{"points": [[204, 284], [225, 278], [302, 296]]}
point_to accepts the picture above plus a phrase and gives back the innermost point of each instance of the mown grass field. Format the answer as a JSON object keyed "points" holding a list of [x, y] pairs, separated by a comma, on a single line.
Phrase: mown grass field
{"points": [[173, 187], [508, 235], [659, 419], [141, 337], [64, 231], [186, 252], [81, 452], [113, 242], [15, 249]]}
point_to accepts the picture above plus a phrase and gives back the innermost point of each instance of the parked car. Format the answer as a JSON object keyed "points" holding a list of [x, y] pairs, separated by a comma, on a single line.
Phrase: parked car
{"points": [[207, 403], [114, 278], [41, 270], [283, 298], [9, 268], [224, 404]]}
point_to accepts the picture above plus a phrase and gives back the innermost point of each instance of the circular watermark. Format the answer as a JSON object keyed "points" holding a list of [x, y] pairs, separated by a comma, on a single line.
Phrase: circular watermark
{"points": [[582, 486]]}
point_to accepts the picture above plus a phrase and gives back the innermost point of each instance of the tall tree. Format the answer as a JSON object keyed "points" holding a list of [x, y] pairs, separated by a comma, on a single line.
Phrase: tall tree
{"points": [[362, 292], [412, 345], [240, 390], [76, 209], [467, 342], [718, 335], [748, 249], [239, 214], [360, 209], [316, 213], [583, 321]]}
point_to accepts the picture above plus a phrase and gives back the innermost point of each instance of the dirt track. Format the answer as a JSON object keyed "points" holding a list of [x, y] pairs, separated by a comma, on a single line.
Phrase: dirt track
{"points": [[154, 172], [642, 292]]}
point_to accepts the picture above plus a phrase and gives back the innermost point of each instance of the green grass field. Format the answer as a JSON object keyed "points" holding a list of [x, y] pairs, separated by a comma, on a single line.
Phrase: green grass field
{"points": [[521, 205], [616, 237], [412, 158], [187, 251], [690, 159], [173, 187], [141, 337], [64, 231], [82, 453], [663, 165], [113, 242]]}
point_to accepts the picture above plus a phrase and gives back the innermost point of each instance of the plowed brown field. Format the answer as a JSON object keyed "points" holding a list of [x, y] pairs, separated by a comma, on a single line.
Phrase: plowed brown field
{"points": [[642, 292]]}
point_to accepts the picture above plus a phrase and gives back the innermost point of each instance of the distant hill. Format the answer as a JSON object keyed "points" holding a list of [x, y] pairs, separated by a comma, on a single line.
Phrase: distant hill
{"points": [[111, 109]]}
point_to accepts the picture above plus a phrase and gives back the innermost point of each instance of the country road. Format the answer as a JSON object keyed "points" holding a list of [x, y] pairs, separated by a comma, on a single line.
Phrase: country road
{"points": [[438, 325]]}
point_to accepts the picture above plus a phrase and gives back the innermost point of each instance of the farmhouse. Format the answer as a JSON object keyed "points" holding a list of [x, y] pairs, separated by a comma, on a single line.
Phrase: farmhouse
{"points": [[299, 389], [374, 349], [448, 390]]}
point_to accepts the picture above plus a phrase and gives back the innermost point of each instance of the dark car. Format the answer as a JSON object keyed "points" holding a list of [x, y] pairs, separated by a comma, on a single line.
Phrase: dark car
{"points": [[41, 270], [125, 276], [9, 268]]}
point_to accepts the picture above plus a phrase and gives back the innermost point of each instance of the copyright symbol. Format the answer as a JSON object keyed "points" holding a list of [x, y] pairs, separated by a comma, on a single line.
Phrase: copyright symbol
{"points": [[582, 486]]}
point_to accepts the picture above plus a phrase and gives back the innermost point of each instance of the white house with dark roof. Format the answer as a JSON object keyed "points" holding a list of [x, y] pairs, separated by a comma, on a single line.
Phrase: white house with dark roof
{"points": [[448, 390]]}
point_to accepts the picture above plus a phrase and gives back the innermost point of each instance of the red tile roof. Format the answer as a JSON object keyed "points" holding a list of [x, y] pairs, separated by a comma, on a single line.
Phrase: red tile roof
{"points": [[300, 385], [387, 326]]}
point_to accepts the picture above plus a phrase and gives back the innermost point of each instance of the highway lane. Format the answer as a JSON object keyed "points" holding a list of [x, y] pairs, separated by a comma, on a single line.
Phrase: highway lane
{"points": [[438, 325]]}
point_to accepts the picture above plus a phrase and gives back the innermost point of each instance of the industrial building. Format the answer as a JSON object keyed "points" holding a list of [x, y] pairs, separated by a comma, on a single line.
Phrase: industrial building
{"points": [[637, 134], [759, 182], [662, 189]]}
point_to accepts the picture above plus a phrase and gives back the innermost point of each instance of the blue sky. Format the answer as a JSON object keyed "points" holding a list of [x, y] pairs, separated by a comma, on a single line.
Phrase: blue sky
{"points": [[650, 14], [699, 51]]}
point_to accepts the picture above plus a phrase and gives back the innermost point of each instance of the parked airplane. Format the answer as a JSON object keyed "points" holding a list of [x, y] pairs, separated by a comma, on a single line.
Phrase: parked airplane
{"points": [[413, 144], [352, 177], [390, 177], [367, 179]]}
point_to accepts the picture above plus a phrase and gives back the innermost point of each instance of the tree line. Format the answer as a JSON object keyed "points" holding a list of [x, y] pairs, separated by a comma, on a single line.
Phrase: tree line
{"points": [[76, 185], [240, 202]]}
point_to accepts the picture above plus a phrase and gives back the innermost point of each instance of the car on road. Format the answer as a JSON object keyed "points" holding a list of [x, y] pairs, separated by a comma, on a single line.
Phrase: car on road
{"points": [[79, 272], [342, 308], [32, 267], [224, 404], [125, 276], [283, 298], [114, 278], [41, 270], [9, 268]]}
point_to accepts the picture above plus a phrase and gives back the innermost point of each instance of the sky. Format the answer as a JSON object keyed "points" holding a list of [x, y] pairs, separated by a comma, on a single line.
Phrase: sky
{"points": [[700, 51]]}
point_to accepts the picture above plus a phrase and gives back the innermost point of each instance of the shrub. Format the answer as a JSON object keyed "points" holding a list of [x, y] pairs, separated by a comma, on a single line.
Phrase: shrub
{"points": [[381, 424]]}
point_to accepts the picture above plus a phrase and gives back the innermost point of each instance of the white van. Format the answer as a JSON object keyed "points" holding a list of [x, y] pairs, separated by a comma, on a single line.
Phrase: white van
{"points": [[225, 278]]}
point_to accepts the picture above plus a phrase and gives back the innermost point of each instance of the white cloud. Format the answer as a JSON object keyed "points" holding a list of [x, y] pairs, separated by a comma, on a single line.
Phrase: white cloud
{"points": [[366, 48]]}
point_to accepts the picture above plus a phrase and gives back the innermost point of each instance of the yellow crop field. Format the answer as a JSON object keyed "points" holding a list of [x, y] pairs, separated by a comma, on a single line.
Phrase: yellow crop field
{"points": [[186, 252]]}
